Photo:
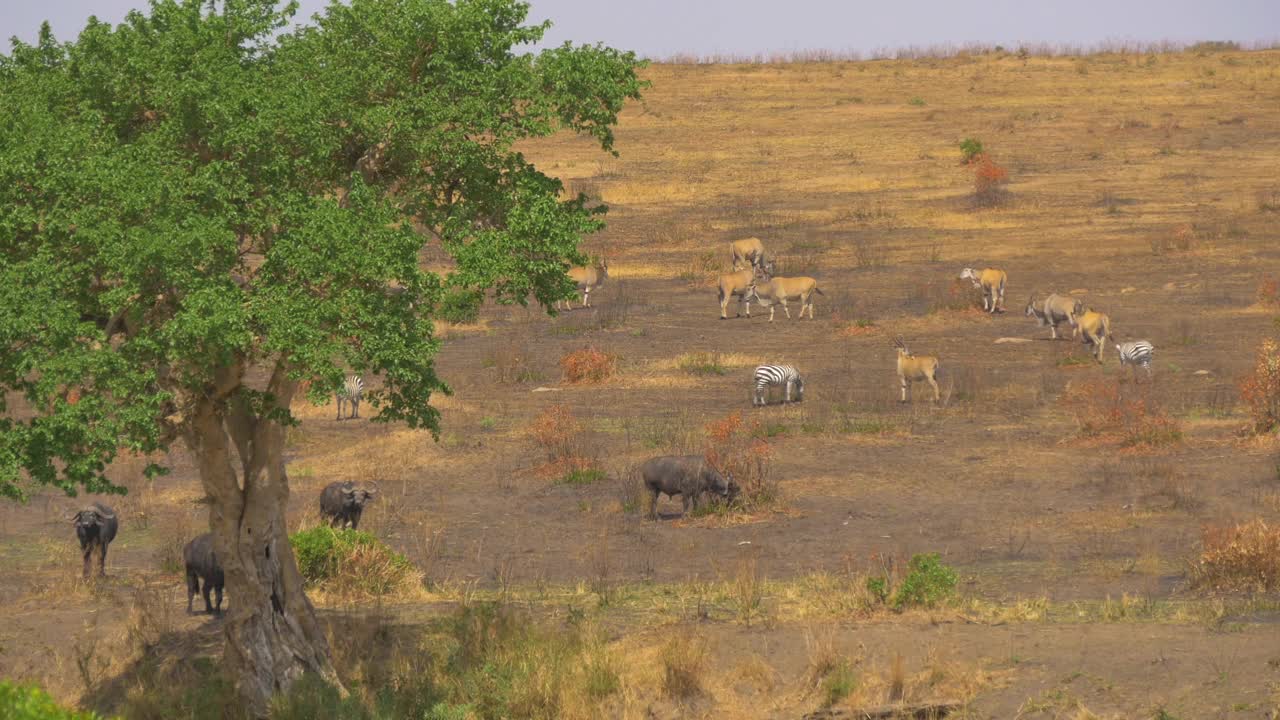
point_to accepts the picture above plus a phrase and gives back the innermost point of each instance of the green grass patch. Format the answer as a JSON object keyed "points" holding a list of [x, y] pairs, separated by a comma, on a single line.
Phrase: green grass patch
{"points": [[702, 363], [582, 476], [349, 562], [27, 702]]}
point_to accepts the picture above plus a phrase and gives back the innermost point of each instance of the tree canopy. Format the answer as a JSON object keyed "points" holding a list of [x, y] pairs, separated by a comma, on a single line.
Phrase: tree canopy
{"points": [[202, 193]]}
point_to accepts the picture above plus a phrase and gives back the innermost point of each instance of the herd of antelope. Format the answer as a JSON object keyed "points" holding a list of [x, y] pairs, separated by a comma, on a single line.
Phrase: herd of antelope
{"points": [[753, 279]]}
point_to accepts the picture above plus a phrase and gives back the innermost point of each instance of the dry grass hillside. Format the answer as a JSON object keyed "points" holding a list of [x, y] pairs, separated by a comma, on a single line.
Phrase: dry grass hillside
{"points": [[1082, 511]]}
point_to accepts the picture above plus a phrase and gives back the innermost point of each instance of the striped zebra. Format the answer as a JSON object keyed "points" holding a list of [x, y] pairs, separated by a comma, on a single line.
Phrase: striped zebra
{"points": [[784, 375], [1135, 353], [350, 392]]}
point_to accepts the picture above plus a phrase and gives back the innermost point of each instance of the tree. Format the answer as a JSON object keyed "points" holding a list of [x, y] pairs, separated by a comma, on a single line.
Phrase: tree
{"points": [[201, 209]]}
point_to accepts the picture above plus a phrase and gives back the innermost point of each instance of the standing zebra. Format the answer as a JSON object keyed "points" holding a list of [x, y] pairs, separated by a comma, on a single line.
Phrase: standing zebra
{"points": [[784, 375], [1135, 353], [350, 392]]}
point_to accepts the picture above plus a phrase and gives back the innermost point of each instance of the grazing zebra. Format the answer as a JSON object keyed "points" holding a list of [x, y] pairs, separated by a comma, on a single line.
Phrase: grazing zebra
{"points": [[1135, 353], [350, 392], [783, 375]]}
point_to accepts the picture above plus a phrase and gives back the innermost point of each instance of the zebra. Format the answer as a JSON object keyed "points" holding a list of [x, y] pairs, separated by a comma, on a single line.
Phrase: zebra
{"points": [[350, 392], [1135, 353], [784, 375]]}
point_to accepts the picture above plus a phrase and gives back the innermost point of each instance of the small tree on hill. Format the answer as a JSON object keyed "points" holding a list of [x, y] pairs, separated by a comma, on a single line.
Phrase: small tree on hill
{"points": [[200, 210]]}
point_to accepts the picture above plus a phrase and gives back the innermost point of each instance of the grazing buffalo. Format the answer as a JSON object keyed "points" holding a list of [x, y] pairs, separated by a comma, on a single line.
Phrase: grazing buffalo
{"points": [[342, 503], [202, 564], [685, 475], [96, 526]]}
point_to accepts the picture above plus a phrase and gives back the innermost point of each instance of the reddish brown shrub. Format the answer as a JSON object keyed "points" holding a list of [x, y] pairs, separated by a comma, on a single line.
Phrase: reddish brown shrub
{"points": [[588, 365], [1261, 388], [739, 448], [1239, 557], [988, 180], [1268, 291], [1104, 410], [563, 438]]}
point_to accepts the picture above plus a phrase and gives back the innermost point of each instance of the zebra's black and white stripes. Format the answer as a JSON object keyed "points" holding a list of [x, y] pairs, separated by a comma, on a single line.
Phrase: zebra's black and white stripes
{"points": [[1136, 353], [784, 375], [351, 391]]}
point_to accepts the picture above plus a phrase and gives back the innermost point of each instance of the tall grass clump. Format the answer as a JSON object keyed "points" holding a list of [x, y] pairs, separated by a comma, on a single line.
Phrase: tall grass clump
{"points": [[1243, 557], [702, 363], [350, 563], [1260, 389]]}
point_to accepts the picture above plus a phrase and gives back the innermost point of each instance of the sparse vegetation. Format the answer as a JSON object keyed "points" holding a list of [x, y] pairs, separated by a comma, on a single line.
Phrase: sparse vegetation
{"points": [[970, 150], [1105, 410], [740, 449], [684, 659], [702, 363]]}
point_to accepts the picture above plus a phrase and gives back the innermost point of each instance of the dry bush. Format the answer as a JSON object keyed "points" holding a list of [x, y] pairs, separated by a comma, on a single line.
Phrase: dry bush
{"points": [[684, 660], [1183, 239], [989, 180], [563, 438], [1104, 410], [1261, 388], [738, 448], [1269, 200], [1243, 557], [588, 365], [173, 534], [870, 252], [1268, 292]]}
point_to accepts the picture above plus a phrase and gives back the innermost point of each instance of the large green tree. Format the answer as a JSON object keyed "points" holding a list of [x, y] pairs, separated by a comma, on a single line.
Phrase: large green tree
{"points": [[203, 207]]}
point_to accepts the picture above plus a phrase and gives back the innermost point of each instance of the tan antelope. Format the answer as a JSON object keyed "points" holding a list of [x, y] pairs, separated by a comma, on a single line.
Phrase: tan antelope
{"points": [[587, 279], [912, 368], [1055, 310], [1094, 327], [736, 284], [748, 251], [779, 290], [991, 282]]}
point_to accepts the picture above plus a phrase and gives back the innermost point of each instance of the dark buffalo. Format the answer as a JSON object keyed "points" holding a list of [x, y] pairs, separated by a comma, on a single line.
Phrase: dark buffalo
{"points": [[342, 503], [96, 526], [202, 564], [685, 475]]}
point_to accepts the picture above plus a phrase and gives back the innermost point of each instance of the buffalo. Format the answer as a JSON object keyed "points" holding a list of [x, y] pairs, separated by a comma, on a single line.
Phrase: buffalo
{"points": [[202, 564], [341, 503], [688, 476], [96, 526]]}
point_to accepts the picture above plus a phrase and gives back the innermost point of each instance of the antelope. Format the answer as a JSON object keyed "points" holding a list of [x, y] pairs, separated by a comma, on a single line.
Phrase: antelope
{"points": [[1094, 327], [1054, 310], [912, 369], [587, 279], [779, 290], [736, 284], [991, 282], [749, 251]]}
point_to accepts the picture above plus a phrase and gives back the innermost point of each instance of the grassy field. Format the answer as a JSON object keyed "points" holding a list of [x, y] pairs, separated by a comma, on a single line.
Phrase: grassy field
{"points": [[1073, 503]]}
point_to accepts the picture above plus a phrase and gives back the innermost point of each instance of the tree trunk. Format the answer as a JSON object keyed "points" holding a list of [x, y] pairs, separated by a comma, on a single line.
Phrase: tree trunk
{"points": [[272, 636]]}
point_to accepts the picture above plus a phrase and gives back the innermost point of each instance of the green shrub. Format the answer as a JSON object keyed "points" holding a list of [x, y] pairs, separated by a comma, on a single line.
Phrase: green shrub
{"points": [[839, 683], [27, 702], [970, 148], [460, 306], [927, 583], [878, 588], [349, 562]]}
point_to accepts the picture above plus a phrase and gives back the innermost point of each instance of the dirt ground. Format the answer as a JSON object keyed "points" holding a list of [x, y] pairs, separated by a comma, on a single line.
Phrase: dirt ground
{"points": [[1147, 185]]}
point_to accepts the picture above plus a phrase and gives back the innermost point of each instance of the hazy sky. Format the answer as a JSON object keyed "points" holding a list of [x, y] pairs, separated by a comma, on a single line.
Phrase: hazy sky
{"points": [[659, 28]]}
